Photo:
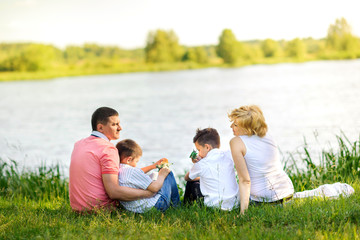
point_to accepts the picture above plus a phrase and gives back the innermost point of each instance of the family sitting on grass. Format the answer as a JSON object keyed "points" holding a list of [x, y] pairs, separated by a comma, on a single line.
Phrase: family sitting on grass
{"points": [[104, 176]]}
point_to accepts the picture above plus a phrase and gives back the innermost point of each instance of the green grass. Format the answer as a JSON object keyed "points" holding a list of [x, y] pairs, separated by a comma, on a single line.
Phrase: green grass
{"points": [[340, 165], [35, 205], [22, 218], [45, 183]]}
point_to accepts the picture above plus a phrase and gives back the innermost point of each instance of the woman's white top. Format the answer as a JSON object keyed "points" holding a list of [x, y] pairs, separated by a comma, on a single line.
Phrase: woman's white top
{"points": [[269, 182]]}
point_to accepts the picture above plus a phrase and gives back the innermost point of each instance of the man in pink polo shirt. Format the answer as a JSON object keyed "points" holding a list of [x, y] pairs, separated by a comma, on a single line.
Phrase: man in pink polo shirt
{"points": [[94, 167]]}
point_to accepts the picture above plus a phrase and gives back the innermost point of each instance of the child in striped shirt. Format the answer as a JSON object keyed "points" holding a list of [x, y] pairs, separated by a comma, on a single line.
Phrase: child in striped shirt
{"points": [[164, 188]]}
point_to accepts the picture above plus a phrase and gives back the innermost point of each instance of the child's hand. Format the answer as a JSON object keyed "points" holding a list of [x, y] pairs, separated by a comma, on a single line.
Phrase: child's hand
{"points": [[164, 172], [158, 162], [195, 160], [194, 156], [164, 163]]}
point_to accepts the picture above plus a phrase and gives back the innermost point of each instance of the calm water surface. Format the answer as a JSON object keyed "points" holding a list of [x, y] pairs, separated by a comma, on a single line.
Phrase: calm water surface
{"points": [[41, 120]]}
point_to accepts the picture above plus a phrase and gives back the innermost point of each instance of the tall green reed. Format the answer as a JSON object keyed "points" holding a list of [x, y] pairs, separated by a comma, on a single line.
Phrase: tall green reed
{"points": [[341, 165], [43, 183]]}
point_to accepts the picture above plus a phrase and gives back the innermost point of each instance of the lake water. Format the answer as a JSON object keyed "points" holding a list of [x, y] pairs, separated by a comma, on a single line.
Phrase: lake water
{"points": [[41, 120]]}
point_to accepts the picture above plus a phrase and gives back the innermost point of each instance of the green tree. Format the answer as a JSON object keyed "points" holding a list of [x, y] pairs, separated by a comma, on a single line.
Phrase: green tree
{"points": [[228, 47], [340, 37], [270, 48], [31, 57], [252, 51], [314, 46], [112, 52], [93, 50], [163, 46], [296, 49], [74, 53], [197, 54]]}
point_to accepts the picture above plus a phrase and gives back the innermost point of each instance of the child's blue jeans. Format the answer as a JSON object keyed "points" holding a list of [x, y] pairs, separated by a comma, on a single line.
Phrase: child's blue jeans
{"points": [[169, 194]]}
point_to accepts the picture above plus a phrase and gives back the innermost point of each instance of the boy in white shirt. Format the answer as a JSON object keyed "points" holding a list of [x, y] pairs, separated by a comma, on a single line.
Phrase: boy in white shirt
{"points": [[164, 188], [214, 170]]}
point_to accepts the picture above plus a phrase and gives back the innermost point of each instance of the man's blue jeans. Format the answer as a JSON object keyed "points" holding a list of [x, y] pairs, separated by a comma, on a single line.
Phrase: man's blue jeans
{"points": [[169, 194]]}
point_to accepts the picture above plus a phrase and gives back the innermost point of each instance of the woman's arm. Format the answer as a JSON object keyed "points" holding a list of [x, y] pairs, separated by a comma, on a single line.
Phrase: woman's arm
{"points": [[238, 150]]}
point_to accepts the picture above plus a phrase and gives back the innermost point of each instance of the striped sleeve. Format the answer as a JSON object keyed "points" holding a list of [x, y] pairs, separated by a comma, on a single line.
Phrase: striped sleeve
{"points": [[134, 177]]}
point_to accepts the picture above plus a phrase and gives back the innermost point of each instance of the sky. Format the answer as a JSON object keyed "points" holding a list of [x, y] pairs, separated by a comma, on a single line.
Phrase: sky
{"points": [[126, 23]]}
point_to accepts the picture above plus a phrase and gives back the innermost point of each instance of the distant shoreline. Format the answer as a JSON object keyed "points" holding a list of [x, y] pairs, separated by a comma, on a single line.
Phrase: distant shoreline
{"points": [[130, 68]]}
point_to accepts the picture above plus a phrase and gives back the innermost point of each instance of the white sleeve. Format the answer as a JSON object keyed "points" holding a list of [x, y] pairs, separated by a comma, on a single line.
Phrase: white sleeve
{"points": [[195, 171]]}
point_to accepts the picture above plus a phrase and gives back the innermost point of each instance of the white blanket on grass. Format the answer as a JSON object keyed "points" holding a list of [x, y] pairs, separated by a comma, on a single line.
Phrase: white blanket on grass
{"points": [[327, 190]]}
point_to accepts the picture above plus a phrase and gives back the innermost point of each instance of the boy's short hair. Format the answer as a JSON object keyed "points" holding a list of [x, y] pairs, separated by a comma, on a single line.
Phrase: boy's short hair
{"points": [[128, 148], [251, 119], [207, 136], [101, 115]]}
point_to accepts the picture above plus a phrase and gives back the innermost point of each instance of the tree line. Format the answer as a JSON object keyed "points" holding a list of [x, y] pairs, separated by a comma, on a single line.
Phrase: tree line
{"points": [[163, 47]]}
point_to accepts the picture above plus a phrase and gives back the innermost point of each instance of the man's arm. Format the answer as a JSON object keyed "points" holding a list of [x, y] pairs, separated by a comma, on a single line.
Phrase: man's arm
{"points": [[122, 193]]}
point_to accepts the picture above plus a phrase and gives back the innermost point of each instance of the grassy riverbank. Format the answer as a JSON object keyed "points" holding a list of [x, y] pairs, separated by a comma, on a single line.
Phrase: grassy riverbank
{"points": [[33, 61], [65, 71], [35, 205], [98, 69]]}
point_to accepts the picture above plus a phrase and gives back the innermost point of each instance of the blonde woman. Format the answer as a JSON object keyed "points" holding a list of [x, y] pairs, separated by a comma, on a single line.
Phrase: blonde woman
{"points": [[256, 158]]}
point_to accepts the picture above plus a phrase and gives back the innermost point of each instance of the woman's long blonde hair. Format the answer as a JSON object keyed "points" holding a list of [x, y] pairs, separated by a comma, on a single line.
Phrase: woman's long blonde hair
{"points": [[251, 119]]}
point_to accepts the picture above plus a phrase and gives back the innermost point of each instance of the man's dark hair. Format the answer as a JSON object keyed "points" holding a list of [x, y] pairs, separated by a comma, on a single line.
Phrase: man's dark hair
{"points": [[101, 115], [207, 136], [128, 148]]}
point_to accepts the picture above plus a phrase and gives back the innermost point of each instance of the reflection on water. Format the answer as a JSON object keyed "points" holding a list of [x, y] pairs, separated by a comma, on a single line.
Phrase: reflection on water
{"points": [[41, 120]]}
